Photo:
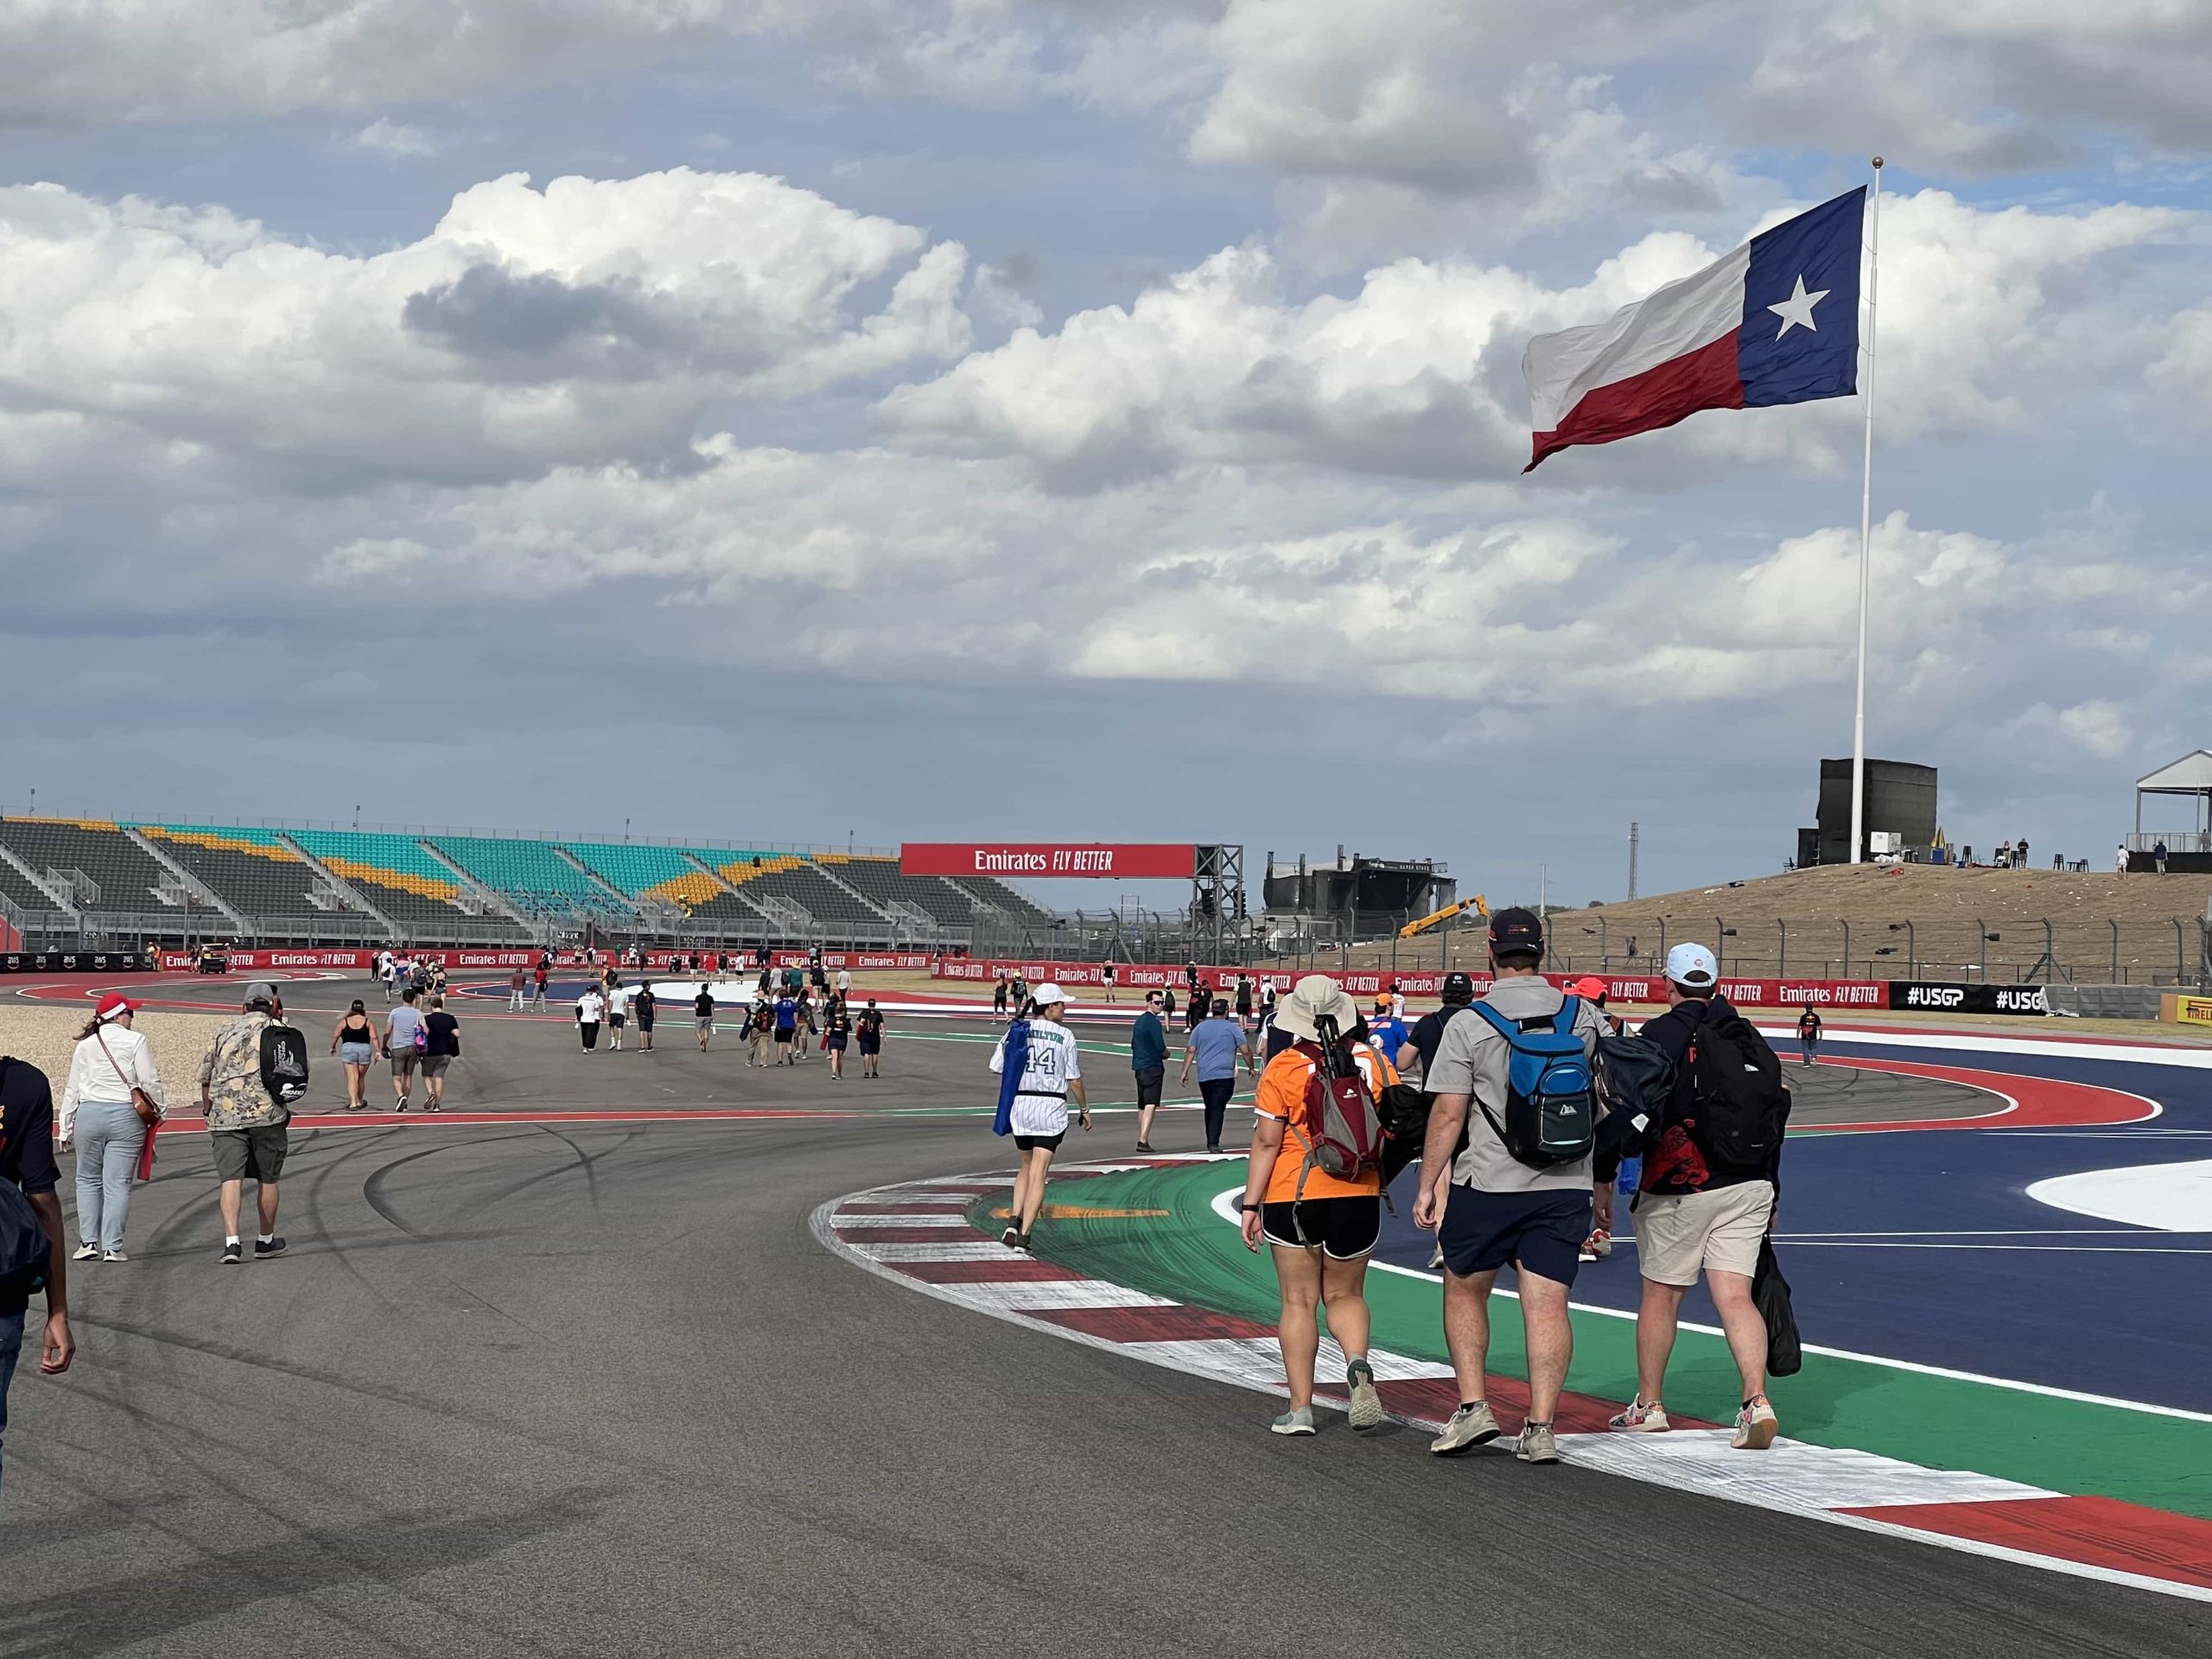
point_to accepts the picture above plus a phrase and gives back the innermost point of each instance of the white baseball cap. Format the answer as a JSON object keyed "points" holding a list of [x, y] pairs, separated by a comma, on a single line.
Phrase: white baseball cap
{"points": [[1046, 995], [1693, 965]]}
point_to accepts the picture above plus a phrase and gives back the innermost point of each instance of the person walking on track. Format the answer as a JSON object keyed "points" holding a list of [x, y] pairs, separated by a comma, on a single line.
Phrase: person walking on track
{"points": [[760, 1030], [702, 1016], [1809, 1034], [440, 1048], [537, 987], [1698, 1210], [837, 1032], [1321, 1228], [1108, 978], [786, 1029], [247, 1123], [404, 1035], [870, 1028], [618, 1011], [1526, 1200], [109, 1106], [354, 1043], [1050, 1076], [517, 990], [646, 1007], [1148, 1059], [1217, 1043], [591, 1008], [27, 1163]]}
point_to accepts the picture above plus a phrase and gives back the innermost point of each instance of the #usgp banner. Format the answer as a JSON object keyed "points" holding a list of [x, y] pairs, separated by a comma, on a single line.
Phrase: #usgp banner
{"points": [[1955, 997], [75, 962], [1102, 860]]}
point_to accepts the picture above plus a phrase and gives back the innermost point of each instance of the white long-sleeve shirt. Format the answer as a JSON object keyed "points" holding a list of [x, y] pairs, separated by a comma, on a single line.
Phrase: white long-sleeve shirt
{"points": [[92, 1078]]}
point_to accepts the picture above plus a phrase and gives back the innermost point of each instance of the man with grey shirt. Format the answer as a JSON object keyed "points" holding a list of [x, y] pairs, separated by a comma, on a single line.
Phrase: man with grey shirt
{"points": [[1489, 1208], [405, 1039]]}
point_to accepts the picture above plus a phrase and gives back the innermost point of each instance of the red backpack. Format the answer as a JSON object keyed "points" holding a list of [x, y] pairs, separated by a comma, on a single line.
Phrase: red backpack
{"points": [[1339, 1127]]}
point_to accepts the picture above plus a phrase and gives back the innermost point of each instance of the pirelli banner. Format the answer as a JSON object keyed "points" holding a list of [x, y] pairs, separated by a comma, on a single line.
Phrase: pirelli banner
{"points": [[1954, 997], [1099, 860], [76, 961]]}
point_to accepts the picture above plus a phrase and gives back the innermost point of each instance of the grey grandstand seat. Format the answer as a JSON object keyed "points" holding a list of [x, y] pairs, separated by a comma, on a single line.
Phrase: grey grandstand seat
{"points": [[999, 896], [251, 870], [881, 879], [129, 878]]}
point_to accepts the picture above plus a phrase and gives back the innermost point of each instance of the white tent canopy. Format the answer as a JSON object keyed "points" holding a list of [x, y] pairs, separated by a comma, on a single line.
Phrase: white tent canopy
{"points": [[2191, 775]]}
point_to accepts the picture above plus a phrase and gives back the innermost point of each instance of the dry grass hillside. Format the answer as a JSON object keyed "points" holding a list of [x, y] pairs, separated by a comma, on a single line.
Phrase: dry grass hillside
{"points": [[1795, 924]]}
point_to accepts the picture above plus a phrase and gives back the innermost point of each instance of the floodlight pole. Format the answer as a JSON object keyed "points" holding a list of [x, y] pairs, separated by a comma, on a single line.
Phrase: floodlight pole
{"points": [[1865, 530]]}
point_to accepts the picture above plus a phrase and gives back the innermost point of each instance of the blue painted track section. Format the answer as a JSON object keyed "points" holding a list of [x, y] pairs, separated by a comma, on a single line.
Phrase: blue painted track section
{"points": [[2110, 1309]]}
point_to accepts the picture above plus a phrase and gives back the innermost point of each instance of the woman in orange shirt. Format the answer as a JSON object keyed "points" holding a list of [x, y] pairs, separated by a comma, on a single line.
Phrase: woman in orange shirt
{"points": [[1323, 1236]]}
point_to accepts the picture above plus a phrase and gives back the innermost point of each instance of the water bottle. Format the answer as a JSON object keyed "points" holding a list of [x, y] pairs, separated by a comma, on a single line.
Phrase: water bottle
{"points": [[1631, 1173]]}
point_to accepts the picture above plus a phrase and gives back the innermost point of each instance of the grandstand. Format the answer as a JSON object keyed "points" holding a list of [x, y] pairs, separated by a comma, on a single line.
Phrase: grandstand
{"points": [[884, 885], [668, 875], [75, 880], [92, 868], [533, 877], [256, 873], [403, 882], [787, 887]]}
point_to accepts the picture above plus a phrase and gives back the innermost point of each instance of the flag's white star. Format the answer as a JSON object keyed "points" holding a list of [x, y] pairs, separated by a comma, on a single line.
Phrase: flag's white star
{"points": [[1797, 309]]}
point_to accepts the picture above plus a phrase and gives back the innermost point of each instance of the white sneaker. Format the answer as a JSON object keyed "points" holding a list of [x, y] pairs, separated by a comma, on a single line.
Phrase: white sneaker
{"points": [[85, 1253], [1639, 1418], [1470, 1426], [113, 1256], [1756, 1426]]}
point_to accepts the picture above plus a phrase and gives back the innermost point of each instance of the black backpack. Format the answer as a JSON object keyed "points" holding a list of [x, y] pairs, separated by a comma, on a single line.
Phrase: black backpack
{"points": [[25, 1253], [283, 1064], [1741, 1106], [1636, 1080]]}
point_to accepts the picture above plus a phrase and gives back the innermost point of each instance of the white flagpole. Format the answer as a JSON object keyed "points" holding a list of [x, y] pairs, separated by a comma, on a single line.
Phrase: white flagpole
{"points": [[1865, 530]]}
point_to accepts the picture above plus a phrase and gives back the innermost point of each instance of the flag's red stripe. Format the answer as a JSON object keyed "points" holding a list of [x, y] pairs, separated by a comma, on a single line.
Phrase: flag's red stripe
{"points": [[1704, 379]]}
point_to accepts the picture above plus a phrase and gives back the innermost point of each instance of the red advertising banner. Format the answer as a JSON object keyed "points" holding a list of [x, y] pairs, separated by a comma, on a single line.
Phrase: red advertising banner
{"points": [[1105, 860], [1144, 976]]}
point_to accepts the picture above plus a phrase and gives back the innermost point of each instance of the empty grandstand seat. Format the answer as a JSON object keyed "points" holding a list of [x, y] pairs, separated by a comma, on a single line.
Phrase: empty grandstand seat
{"points": [[529, 872], [129, 878], [395, 875], [1000, 896], [882, 881], [253, 871], [782, 876], [663, 873]]}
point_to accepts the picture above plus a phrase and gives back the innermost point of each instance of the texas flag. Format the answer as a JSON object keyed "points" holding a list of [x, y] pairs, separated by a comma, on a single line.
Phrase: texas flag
{"points": [[1776, 321]]}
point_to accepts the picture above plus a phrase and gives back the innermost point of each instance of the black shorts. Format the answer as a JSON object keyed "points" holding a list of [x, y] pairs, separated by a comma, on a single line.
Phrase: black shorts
{"points": [[1030, 1143], [1150, 1081], [871, 1045], [1538, 1232], [1345, 1229], [834, 1043]]}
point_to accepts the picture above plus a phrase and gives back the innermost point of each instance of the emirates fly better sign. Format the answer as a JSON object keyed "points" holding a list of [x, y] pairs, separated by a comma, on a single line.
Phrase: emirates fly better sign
{"points": [[1113, 861]]}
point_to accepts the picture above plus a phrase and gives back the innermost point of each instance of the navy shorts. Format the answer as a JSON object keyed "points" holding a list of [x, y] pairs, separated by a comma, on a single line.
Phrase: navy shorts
{"points": [[1539, 1232]]}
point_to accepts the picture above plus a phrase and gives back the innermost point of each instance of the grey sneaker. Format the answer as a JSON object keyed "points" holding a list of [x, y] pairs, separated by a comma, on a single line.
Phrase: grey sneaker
{"points": [[1366, 1404], [1300, 1422], [85, 1253], [1537, 1444], [1470, 1427], [113, 1256]]}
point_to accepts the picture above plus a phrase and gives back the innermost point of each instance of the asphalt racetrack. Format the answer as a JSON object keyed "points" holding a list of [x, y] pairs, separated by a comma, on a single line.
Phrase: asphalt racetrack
{"points": [[537, 1388]]}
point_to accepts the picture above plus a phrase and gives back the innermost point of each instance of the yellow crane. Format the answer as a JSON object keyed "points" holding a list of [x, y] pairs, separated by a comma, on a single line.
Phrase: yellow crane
{"points": [[1437, 917]]}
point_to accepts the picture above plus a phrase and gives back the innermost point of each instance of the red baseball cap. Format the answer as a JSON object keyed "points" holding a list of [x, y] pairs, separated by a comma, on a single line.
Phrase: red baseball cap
{"points": [[115, 1003], [1588, 987]]}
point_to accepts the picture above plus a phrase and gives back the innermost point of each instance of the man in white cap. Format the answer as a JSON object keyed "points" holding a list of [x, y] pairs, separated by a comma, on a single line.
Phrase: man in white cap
{"points": [[1697, 1212], [1052, 1075]]}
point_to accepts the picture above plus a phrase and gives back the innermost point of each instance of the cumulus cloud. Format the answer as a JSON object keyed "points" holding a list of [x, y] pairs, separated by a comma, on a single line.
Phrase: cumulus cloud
{"points": [[394, 139], [1418, 372], [587, 321]]}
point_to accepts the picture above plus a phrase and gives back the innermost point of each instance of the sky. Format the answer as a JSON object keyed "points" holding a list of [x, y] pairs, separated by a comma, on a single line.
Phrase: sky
{"points": [[798, 420]]}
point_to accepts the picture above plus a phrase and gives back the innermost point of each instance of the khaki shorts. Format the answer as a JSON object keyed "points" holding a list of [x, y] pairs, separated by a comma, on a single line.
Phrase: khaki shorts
{"points": [[255, 1154], [1677, 1238]]}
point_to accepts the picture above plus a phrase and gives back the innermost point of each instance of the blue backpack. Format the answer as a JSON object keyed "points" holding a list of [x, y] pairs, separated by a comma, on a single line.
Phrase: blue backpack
{"points": [[1010, 1072], [1551, 1095]]}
